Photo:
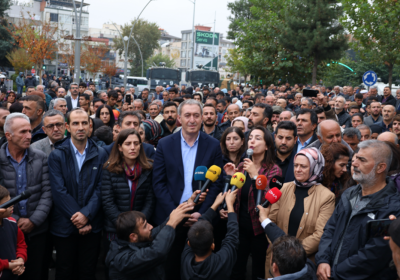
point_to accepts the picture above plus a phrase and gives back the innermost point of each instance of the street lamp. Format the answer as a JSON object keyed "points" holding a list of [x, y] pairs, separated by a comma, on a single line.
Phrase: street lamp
{"points": [[127, 44], [194, 10]]}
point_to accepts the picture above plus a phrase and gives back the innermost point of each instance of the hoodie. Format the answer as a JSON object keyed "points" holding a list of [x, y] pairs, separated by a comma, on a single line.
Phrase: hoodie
{"points": [[218, 266], [20, 80]]}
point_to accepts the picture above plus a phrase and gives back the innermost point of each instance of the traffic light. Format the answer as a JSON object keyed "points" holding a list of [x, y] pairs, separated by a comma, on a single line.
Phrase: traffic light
{"points": [[44, 67]]}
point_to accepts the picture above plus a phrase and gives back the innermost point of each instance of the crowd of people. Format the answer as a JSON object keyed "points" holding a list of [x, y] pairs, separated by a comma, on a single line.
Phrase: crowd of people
{"points": [[113, 178]]}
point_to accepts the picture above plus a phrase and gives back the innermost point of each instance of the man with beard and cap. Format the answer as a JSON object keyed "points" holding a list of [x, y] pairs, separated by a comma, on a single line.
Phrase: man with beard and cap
{"points": [[206, 92], [170, 114]]}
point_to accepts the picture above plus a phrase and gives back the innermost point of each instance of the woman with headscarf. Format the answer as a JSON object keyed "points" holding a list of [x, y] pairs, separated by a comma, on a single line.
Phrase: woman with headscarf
{"points": [[153, 132], [242, 123], [305, 205]]}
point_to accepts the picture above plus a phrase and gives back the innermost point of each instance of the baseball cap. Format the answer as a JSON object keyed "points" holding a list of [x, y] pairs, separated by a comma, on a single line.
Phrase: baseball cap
{"points": [[277, 109]]}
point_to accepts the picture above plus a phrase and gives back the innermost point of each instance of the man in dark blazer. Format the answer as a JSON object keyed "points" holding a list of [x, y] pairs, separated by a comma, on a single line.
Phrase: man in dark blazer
{"points": [[176, 159], [73, 99]]}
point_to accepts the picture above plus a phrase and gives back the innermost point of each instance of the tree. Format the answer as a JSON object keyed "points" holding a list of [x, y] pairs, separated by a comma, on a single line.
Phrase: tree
{"points": [[109, 70], [312, 29], [240, 13], [37, 38], [156, 59], [258, 51], [92, 56], [146, 35], [376, 30], [19, 59], [6, 40]]}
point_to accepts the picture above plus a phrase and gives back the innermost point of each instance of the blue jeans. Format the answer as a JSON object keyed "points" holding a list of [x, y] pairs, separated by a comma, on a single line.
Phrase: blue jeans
{"points": [[19, 89]]}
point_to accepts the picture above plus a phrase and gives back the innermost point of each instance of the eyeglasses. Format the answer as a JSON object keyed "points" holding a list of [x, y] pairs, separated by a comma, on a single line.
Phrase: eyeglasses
{"points": [[104, 113], [51, 126]]}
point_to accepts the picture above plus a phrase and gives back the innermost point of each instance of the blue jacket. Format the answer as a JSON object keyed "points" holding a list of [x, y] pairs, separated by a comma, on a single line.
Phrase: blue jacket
{"points": [[72, 194], [168, 174], [20, 80], [360, 257], [148, 150]]}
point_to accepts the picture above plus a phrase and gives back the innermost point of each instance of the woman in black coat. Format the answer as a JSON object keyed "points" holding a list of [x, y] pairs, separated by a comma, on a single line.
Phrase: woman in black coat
{"points": [[127, 181]]}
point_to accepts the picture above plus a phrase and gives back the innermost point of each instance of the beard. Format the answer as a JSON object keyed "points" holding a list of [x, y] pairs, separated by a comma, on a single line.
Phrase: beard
{"points": [[364, 179], [170, 121], [209, 124], [288, 151], [145, 238]]}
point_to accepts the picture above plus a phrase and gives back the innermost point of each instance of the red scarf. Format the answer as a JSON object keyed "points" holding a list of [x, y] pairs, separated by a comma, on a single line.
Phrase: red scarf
{"points": [[133, 175]]}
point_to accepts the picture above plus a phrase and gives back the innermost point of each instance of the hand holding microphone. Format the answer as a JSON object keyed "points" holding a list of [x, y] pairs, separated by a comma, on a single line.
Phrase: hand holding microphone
{"points": [[227, 184], [249, 153], [212, 175]]}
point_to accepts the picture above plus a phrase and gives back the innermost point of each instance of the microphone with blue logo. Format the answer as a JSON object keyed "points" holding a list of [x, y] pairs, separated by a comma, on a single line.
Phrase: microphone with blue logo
{"points": [[200, 175]]}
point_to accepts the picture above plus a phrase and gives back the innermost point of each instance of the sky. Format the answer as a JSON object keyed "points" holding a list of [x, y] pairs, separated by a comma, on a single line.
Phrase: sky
{"points": [[171, 15]]}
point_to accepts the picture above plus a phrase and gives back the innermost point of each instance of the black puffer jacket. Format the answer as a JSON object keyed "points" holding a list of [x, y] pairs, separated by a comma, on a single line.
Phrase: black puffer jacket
{"points": [[37, 174], [116, 196]]}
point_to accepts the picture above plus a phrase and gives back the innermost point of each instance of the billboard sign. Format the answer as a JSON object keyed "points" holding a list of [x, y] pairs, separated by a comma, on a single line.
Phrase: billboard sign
{"points": [[206, 50]]}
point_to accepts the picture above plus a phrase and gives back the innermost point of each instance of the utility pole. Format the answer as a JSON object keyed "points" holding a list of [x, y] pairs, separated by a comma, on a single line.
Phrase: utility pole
{"points": [[77, 69], [193, 32], [212, 60]]}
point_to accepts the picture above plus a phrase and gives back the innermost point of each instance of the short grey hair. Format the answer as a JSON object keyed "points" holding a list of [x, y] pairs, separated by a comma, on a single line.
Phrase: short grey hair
{"points": [[299, 94], [230, 105], [88, 90], [140, 101], [41, 86], [364, 126], [291, 113], [190, 102], [351, 132], [59, 100], [319, 128], [73, 84], [52, 113], [154, 103], [10, 119], [341, 97], [234, 99], [381, 152], [53, 84], [309, 101]]}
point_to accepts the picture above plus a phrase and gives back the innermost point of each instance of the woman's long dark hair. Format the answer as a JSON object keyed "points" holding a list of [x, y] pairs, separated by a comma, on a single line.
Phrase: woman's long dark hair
{"points": [[269, 156], [114, 163], [112, 118], [332, 152], [242, 149]]}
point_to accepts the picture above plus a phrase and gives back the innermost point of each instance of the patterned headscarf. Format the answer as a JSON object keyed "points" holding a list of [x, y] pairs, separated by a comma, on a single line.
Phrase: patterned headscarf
{"points": [[317, 163], [153, 131]]}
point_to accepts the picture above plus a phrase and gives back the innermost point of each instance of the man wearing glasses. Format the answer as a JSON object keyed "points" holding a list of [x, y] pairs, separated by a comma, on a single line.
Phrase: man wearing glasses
{"points": [[73, 99], [54, 127]]}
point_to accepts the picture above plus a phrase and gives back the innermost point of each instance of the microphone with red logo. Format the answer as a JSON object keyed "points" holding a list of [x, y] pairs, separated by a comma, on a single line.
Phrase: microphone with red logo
{"points": [[261, 184], [276, 182], [272, 196]]}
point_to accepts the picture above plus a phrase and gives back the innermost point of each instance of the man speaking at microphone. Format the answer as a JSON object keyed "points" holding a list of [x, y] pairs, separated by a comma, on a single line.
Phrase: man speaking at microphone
{"points": [[176, 159]]}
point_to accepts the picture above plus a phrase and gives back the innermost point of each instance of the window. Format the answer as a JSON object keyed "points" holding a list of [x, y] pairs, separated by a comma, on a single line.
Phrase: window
{"points": [[183, 62], [190, 53], [183, 46], [183, 54], [53, 17], [184, 37]]}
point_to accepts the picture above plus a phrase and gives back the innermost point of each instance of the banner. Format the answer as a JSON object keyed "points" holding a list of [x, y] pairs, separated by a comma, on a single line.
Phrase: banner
{"points": [[206, 50]]}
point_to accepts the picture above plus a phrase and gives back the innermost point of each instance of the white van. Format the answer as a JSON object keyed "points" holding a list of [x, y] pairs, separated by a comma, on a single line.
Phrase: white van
{"points": [[139, 82]]}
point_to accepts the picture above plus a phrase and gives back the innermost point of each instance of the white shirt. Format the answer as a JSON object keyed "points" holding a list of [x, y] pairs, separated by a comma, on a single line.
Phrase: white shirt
{"points": [[74, 102]]}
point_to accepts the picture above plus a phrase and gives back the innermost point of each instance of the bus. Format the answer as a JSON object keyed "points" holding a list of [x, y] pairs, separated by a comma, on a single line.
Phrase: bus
{"points": [[161, 76], [200, 77]]}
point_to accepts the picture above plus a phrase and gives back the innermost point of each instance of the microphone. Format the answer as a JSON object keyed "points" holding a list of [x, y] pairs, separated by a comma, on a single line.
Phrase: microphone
{"points": [[276, 182], [212, 175], [200, 174], [24, 195], [261, 184], [249, 153], [226, 187], [272, 196], [237, 181]]}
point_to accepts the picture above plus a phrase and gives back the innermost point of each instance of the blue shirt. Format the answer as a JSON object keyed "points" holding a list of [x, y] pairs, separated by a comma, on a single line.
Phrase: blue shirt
{"points": [[384, 127], [300, 146], [80, 158], [188, 158], [20, 180]]}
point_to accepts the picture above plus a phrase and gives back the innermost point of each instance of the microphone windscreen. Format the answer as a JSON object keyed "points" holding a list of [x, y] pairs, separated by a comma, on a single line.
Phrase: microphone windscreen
{"points": [[238, 180], [249, 152], [276, 182], [200, 173], [273, 195], [213, 173], [261, 182]]}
